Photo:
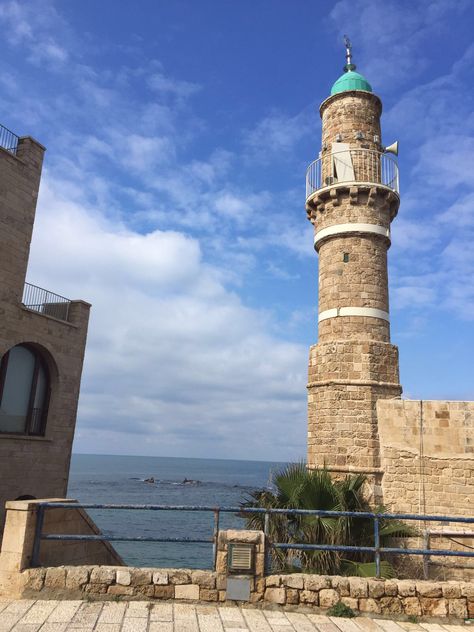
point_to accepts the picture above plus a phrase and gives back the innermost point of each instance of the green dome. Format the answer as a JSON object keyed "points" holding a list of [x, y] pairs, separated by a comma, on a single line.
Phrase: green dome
{"points": [[351, 80]]}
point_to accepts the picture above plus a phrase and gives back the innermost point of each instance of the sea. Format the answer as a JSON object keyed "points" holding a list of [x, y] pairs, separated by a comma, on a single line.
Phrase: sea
{"points": [[144, 480]]}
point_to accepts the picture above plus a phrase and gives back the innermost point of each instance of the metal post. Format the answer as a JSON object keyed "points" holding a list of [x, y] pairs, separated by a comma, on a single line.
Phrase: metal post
{"points": [[38, 533], [215, 537], [426, 558], [377, 546], [266, 530]]}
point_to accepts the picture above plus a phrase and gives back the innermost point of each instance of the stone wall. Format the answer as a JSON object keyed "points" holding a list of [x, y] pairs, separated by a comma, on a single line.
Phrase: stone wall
{"points": [[36, 466], [348, 113], [427, 455], [18, 541], [374, 596]]}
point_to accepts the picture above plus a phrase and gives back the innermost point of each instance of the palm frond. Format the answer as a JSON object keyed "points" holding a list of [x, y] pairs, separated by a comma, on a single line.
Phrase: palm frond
{"points": [[367, 569]]}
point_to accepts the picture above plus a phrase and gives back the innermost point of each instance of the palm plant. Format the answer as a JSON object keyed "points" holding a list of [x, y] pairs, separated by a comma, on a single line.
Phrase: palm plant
{"points": [[297, 487]]}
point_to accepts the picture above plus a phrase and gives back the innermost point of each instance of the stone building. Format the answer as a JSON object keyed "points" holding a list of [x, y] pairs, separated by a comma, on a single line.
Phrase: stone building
{"points": [[418, 456], [42, 342]]}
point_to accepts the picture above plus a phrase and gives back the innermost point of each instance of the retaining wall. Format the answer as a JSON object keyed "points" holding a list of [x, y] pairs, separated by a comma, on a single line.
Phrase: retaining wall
{"points": [[452, 599]]}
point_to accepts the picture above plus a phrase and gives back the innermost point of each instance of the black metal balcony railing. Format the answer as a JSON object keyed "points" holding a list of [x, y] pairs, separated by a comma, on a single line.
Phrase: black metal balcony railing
{"points": [[352, 165], [46, 303], [8, 140]]}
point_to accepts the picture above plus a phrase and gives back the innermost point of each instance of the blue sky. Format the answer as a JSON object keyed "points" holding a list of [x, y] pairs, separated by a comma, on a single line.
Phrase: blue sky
{"points": [[172, 199]]}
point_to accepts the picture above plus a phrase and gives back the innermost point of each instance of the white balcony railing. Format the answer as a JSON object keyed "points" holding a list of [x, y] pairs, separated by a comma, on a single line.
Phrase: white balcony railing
{"points": [[352, 165]]}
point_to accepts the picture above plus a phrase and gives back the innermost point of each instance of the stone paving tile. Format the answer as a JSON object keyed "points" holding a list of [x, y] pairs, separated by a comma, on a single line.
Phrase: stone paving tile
{"points": [[64, 612], [86, 616], [346, 625], [20, 606], [275, 615], [160, 626], [53, 627], [7, 623], [161, 612], [76, 616], [433, 627], [256, 621], [107, 627], [300, 622], [13, 613], [323, 623], [209, 619], [231, 616], [134, 624], [138, 609], [412, 627], [388, 626], [183, 625], [112, 613], [183, 611], [39, 612], [368, 625], [278, 621]]}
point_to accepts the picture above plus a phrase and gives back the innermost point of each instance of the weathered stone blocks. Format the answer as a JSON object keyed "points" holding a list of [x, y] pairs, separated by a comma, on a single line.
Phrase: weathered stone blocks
{"points": [[372, 596]]}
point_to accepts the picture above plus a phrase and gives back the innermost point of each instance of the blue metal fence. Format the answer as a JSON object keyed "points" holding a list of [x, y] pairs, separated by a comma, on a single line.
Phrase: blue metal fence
{"points": [[377, 550]]}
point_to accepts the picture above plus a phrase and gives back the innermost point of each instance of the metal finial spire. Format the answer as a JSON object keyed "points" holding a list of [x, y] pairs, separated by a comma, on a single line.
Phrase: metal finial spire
{"points": [[349, 65]]}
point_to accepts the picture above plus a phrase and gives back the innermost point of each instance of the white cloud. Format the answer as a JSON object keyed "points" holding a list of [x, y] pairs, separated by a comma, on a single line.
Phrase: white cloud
{"points": [[391, 38], [178, 88], [413, 296], [278, 134], [174, 359], [460, 214], [32, 26]]}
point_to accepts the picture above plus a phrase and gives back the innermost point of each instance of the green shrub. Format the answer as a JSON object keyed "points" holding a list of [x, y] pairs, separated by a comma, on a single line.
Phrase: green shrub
{"points": [[341, 610]]}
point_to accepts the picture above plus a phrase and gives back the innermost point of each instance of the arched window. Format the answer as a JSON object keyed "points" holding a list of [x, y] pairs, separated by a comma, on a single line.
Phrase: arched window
{"points": [[24, 391]]}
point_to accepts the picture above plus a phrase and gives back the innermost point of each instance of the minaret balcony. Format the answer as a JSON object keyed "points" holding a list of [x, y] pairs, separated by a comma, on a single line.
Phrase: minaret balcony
{"points": [[351, 167]]}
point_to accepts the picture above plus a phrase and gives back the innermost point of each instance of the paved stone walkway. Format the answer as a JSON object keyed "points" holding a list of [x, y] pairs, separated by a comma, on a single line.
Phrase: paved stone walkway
{"points": [[141, 616]]}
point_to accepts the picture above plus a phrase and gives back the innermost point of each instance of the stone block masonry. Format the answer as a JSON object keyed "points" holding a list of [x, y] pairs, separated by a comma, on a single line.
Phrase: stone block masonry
{"points": [[427, 449], [413, 463], [354, 364], [35, 465], [454, 599]]}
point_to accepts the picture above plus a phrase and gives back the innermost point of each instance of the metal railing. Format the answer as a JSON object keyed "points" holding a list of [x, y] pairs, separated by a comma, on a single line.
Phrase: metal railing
{"points": [[377, 549], [352, 165], [45, 302], [8, 140]]}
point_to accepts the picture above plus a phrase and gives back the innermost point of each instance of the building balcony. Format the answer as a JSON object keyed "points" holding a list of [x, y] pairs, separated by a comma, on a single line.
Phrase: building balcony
{"points": [[8, 140], [352, 166], [46, 303]]}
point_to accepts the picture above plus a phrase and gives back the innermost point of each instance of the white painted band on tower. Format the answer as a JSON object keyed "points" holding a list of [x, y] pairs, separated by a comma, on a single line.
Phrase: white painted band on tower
{"points": [[353, 227], [369, 312]]}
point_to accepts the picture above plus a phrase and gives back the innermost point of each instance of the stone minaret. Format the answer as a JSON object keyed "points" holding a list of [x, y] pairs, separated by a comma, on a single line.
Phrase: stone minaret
{"points": [[352, 197]]}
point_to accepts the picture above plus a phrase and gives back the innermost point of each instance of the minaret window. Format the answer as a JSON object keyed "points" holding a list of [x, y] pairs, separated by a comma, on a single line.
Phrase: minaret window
{"points": [[345, 257], [24, 391]]}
